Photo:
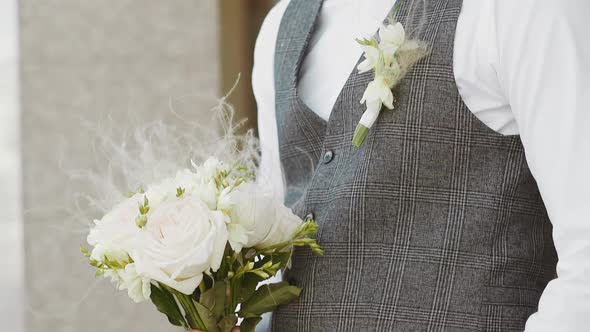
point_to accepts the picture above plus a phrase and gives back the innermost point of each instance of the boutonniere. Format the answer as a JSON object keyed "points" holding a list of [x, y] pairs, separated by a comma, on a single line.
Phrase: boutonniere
{"points": [[391, 58]]}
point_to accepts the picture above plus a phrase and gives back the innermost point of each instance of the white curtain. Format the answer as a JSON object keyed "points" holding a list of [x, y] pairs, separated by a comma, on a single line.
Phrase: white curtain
{"points": [[11, 264]]}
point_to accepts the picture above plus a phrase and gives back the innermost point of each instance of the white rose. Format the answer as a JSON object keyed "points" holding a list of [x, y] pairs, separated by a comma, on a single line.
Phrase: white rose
{"points": [[284, 226], [182, 240], [252, 214], [257, 218], [117, 229]]}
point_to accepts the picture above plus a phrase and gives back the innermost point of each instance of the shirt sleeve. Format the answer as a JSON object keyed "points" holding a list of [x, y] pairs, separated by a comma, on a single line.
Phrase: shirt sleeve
{"points": [[269, 174], [544, 70]]}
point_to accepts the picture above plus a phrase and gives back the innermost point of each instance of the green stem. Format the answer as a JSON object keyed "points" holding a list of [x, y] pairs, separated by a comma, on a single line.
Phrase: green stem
{"points": [[192, 315], [169, 292], [202, 287], [231, 295], [270, 249], [360, 134]]}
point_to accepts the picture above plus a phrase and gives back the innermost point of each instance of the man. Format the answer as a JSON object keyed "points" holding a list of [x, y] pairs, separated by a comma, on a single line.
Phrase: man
{"points": [[453, 213]]}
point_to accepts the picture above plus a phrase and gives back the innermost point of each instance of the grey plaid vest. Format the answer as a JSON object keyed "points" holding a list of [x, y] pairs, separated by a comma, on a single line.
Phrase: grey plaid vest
{"points": [[434, 224]]}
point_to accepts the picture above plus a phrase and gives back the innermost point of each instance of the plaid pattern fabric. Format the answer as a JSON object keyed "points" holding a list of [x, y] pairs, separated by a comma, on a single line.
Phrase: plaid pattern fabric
{"points": [[434, 224]]}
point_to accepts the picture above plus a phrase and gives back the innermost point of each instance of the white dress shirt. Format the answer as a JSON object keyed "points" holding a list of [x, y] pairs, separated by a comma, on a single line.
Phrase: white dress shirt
{"points": [[522, 67]]}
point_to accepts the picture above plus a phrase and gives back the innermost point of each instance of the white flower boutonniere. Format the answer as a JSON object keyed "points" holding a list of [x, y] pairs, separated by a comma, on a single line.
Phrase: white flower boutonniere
{"points": [[390, 57]]}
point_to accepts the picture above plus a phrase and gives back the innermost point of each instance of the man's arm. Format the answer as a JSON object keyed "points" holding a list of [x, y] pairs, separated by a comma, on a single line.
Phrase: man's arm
{"points": [[544, 68]]}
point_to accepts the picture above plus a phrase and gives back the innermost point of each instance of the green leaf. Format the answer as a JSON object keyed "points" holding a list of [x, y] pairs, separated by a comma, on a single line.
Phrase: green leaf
{"points": [[227, 323], [214, 299], [249, 324], [225, 263], [248, 283], [191, 314], [282, 257], [208, 318], [240, 259], [267, 298], [166, 304]]}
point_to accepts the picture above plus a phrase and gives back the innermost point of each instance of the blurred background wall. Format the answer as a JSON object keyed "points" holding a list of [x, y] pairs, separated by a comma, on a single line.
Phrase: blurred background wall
{"points": [[240, 22], [82, 62], [11, 264]]}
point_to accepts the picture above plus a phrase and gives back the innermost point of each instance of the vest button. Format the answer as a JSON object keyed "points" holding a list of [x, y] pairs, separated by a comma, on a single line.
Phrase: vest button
{"points": [[328, 157], [309, 217]]}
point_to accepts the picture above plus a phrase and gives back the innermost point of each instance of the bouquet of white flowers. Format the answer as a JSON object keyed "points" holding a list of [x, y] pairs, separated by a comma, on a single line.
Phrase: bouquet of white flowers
{"points": [[199, 244]]}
